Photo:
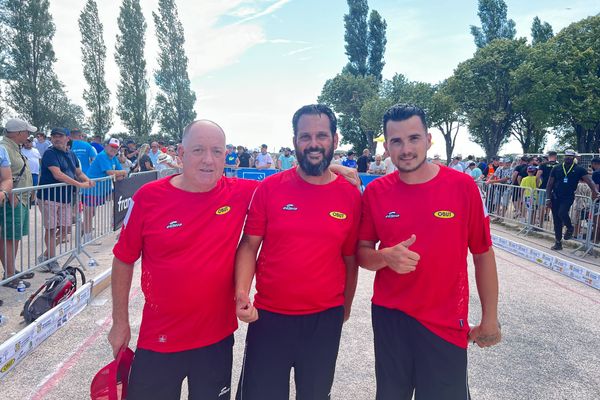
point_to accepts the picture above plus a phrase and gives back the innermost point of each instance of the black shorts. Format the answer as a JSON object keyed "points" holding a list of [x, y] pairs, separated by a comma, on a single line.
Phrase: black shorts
{"points": [[158, 376], [276, 342], [410, 358]]}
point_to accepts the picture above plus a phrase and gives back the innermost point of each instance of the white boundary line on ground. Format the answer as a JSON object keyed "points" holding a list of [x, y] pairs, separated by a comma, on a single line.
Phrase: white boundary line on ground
{"points": [[549, 261]]}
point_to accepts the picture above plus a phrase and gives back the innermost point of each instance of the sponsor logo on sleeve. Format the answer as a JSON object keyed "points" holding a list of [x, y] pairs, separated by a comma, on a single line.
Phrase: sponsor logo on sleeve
{"points": [[290, 207], [174, 224]]}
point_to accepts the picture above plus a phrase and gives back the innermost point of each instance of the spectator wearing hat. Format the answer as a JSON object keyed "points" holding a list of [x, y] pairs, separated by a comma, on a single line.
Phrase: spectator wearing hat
{"points": [[14, 216], [350, 162], [41, 143], [287, 160], [560, 193], [530, 185], [84, 151], [436, 159], [106, 164], [59, 165], [263, 159], [164, 162], [175, 159], [154, 153], [33, 159], [243, 157]]}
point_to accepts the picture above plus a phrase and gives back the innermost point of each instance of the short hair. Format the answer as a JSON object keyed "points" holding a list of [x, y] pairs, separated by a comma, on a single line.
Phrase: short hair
{"points": [[552, 153], [402, 112], [189, 127], [315, 109]]}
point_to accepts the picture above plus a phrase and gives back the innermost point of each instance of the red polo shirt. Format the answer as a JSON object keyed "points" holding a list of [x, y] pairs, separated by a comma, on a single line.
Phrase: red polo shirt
{"points": [[187, 242], [306, 230], [448, 217]]}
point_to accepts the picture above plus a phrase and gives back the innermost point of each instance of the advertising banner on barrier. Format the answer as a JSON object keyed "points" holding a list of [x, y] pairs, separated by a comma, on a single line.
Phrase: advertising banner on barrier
{"points": [[567, 268], [24, 342], [124, 190]]}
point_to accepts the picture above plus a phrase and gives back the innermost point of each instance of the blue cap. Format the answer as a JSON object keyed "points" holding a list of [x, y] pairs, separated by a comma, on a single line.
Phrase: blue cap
{"points": [[60, 131]]}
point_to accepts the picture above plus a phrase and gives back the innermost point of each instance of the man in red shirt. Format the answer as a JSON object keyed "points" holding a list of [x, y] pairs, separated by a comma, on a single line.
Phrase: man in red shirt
{"points": [[306, 220], [421, 295], [185, 228]]}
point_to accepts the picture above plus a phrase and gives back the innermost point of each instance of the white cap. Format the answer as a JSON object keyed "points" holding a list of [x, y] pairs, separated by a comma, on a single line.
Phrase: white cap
{"points": [[18, 125], [114, 142]]}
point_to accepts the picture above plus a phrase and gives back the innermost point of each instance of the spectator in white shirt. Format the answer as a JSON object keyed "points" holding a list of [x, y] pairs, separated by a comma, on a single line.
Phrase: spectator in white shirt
{"points": [[389, 165], [377, 167], [33, 159], [456, 164], [263, 159]]}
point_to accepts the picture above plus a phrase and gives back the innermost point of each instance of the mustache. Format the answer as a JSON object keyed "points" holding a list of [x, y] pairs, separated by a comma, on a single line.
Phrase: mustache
{"points": [[314, 149]]}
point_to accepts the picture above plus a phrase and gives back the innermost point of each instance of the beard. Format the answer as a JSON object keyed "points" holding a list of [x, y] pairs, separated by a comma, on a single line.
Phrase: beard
{"points": [[314, 169]]}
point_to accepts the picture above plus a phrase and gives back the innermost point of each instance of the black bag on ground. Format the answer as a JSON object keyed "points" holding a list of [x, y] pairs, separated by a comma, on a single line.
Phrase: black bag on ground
{"points": [[56, 290]]}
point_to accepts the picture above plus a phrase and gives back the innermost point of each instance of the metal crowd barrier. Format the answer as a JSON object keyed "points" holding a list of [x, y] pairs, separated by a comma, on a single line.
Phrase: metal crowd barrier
{"points": [[43, 224], [527, 209]]}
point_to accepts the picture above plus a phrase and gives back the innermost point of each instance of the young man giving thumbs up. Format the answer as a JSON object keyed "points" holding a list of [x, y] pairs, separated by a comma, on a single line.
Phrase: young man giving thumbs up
{"points": [[426, 218]]}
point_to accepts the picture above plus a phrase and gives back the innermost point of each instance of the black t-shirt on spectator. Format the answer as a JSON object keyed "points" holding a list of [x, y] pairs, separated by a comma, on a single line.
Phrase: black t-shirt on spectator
{"points": [[546, 169], [143, 160], [562, 189], [363, 163], [522, 172], [244, 160], [133, 159], [68, 163]]}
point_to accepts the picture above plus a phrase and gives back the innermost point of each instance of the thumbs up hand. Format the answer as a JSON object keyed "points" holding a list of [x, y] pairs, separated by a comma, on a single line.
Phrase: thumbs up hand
{"points": [[399, 258]]}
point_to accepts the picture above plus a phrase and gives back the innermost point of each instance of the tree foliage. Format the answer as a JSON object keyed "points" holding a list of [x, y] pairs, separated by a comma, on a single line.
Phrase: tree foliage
{"points": [[356, 36], [133, 108], [486, 87], [376, 45], [175, 101], [494, 23], [93, 55], [540, 32], [34, 91]]}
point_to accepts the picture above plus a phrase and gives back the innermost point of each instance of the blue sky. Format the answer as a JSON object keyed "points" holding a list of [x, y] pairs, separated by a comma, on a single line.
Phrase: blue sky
{"points": [[254, 62]]}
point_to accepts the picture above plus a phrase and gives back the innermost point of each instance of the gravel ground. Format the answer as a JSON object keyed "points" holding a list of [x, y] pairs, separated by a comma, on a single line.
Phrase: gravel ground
{"points": [[550, 349]]}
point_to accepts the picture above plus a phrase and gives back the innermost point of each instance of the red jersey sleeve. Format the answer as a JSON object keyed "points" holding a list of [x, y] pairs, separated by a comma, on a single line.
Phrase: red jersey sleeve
{"points": [[480, 239], [349, 248], [256, 222], [367, 227], [129, 247]]}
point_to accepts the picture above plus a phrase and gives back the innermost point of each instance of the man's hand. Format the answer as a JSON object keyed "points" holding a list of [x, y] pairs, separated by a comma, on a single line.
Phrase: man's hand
{"points": [[400, 258], [486, 334], [244, 309], [549, 204], [347, 310], [119, 337], [350, 174]]}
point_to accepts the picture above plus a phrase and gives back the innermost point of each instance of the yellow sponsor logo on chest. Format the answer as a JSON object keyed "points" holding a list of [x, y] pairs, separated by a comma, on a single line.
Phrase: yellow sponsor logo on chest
{"points": [[338, 215], [443, 214], [223, 210]]}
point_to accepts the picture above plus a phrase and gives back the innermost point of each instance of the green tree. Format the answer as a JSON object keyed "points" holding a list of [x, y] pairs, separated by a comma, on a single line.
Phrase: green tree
{"points": [[175, 101], [133, 108], [494, 23], [445, 114], [346, 94], [540, 32], [371, 114], [93, 55], [376, 45], [29, 68], [356, 36], [486, 87], [572, 58]]}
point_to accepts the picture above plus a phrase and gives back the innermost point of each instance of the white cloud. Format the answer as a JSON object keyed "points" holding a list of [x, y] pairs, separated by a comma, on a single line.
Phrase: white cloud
{"points": [[269, 10], [298, 51]]}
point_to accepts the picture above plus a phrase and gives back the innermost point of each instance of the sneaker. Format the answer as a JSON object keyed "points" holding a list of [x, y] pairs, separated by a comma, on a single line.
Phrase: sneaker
{"points": [[52, 266], [14, 283], [557, 246], [568, 234]]}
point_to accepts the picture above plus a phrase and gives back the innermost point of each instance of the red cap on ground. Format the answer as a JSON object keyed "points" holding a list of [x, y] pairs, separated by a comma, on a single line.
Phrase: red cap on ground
{"points": [[110, 383]]}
